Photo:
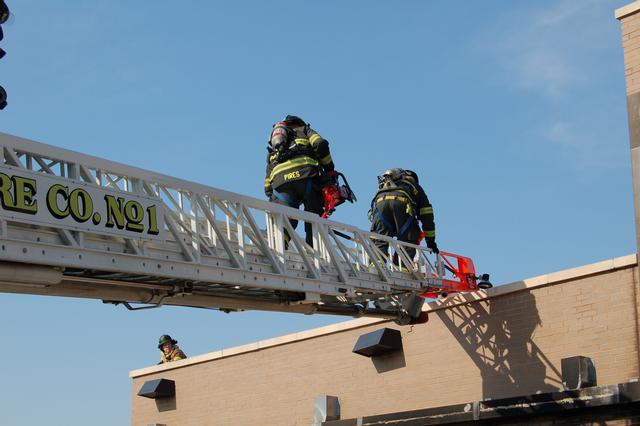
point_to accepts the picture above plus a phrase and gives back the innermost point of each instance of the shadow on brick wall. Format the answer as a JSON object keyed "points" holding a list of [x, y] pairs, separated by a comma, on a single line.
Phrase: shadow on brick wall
{"points": [[389, 362], [497, 336], [166, 404]]}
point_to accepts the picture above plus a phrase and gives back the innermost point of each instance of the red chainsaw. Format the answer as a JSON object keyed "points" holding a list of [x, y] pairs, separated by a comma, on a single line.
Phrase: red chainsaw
{"points": [[334, 193]]}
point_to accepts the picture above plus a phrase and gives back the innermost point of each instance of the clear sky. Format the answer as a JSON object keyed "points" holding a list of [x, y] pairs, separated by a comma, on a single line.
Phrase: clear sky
{"points": [[512, 112]]}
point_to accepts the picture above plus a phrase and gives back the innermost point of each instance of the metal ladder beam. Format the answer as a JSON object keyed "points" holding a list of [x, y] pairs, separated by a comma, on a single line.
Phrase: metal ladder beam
{"points": [[206, 235]]}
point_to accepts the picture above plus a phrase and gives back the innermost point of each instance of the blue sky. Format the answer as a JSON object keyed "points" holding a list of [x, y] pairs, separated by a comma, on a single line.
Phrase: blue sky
{"points": [[513, 113]]}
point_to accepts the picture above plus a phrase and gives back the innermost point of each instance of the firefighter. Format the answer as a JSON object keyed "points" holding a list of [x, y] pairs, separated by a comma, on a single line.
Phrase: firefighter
{"points": [[396, 209], [298, 164], [169, 349]]}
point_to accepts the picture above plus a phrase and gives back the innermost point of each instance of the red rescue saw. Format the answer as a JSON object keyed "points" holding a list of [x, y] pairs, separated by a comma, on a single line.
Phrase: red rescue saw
{"points": [[334, 193]]}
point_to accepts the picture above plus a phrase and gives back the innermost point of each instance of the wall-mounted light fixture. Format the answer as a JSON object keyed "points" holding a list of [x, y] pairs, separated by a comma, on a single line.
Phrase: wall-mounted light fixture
{"points": [[379, 342], [159, 388]]}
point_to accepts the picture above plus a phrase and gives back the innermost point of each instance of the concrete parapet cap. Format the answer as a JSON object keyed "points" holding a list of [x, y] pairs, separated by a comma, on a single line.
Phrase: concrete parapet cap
{"points": [[627, 10], [526, 284], [538, 281]]}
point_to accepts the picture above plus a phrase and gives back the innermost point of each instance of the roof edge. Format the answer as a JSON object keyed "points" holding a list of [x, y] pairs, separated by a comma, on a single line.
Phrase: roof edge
{"points": [[627, 10], [537, 281]]}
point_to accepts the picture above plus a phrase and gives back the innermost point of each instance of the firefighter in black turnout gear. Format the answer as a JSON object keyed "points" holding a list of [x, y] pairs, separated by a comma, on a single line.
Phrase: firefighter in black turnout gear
{"points": [[297, 161], [396, 208]]}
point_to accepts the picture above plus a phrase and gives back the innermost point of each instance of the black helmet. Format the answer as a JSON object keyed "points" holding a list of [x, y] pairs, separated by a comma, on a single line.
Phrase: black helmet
{"points": [[413, 175], [164, 339], [294, 120]]}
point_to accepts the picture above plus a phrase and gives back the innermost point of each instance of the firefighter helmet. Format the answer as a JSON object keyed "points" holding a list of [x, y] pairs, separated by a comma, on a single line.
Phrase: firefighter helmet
{"points": [[294, 120], [413, 175], [164, 339]]}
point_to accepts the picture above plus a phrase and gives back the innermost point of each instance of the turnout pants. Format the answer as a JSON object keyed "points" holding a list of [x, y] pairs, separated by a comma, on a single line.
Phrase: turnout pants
{"points": [[390, 217], [293, 194]]}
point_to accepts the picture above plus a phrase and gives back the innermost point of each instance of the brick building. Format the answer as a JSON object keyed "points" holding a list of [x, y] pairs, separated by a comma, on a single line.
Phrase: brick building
{"points": [[506, 342]]}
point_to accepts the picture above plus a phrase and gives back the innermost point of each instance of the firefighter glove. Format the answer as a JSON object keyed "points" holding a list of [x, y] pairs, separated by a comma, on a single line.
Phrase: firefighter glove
{"points": [[431, 244]]}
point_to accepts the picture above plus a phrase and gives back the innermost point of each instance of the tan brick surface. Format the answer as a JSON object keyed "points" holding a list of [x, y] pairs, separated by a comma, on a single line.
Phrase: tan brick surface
{"points": [[630, 27], [503, 345]]}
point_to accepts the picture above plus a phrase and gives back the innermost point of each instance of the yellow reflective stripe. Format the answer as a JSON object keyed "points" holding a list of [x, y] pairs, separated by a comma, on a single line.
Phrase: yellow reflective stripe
{"points": [[405, 193], [326, 160], [426, 210], [430, 234], [413, 187], [296, 162], [314, 139], [301, 141], [391, 197], [267, 182]]}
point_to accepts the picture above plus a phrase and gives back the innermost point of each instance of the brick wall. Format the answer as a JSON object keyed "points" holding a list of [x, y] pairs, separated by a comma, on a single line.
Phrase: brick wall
{"points": [[506, 342], [629, 17], [630, 27]]}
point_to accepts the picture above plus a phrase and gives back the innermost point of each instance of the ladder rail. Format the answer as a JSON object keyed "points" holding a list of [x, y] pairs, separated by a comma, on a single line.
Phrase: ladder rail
{"points": [[212, 235]]}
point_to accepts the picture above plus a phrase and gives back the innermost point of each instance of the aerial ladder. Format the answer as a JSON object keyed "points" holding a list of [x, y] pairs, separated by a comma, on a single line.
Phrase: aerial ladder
{"points": [[80, 226]]}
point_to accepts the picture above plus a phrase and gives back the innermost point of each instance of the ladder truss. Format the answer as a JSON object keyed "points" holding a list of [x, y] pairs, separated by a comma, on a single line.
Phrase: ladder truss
{"points": [[76, 225]]}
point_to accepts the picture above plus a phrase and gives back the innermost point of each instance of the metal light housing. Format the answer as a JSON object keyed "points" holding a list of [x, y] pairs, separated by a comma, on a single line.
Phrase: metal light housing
{"points": [[484, 282]]}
